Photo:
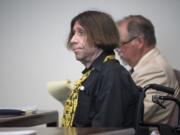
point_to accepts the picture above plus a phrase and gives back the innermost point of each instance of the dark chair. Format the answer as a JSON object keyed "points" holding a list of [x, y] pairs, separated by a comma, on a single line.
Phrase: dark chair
{"points": [[174, 116], [173, 127], [164, 129], [177, 73]]}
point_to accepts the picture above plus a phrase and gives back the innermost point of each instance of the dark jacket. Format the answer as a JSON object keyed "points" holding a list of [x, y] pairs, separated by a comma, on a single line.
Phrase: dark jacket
{"points": [[109, 98]]}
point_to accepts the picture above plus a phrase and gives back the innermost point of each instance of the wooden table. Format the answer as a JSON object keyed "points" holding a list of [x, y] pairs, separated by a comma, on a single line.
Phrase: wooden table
{"points": [[75, 131], [50, 118]]}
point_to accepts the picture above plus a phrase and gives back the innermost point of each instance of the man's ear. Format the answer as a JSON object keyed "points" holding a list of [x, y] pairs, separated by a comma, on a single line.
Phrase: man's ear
{"points": [[140, 41]]}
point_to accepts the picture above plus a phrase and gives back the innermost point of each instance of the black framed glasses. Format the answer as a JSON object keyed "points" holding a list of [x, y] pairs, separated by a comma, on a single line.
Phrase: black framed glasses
{"points": [[126, 42]]}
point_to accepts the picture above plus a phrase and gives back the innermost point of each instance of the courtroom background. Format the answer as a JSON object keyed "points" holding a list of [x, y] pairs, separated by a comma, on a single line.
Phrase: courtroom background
{"points": [[33, 35]]}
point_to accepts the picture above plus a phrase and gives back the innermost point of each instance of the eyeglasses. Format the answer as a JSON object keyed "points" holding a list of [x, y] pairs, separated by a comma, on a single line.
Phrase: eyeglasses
{"points": [[126, 42]]}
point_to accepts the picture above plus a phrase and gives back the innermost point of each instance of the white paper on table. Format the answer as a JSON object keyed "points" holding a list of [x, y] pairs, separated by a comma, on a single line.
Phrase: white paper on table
{"points": [[24, 132]]}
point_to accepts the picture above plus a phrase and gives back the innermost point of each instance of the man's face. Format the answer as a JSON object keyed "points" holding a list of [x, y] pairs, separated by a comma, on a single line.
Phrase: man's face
{"points": [[81, 48], [128, 50]]}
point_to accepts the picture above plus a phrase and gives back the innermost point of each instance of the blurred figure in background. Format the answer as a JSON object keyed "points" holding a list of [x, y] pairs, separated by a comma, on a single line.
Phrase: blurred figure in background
{"points": [[138, 49]]}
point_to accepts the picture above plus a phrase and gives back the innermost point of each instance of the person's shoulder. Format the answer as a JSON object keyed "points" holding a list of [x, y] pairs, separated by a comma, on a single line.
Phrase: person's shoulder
{"points": [[150, 73], [113, 66], [157, 66]]}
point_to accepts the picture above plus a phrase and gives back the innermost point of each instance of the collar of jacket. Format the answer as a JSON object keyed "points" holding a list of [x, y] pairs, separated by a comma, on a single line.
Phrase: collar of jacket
{"points": [[98, 62]]}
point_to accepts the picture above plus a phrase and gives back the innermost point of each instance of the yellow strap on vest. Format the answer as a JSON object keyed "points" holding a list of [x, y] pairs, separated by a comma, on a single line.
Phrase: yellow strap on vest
{"points": [[72, 101], [109, 57]]}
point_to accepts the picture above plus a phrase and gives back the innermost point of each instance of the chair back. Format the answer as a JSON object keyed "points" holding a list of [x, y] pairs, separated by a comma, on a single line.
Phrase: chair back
{"points": [[174, 116], [177, 73]]}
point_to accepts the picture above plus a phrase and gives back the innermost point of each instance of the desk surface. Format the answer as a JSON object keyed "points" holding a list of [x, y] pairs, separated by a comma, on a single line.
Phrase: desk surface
{"points": [[75, 131], [50, 118]]}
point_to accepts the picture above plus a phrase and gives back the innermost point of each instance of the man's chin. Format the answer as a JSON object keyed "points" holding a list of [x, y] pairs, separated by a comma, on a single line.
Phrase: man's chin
{"points": [[123, 62]]}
